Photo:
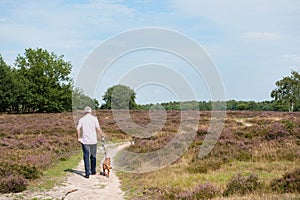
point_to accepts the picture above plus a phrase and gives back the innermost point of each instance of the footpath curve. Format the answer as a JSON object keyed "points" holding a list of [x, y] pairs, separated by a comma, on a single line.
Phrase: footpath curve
{"points": [[76, 187]]}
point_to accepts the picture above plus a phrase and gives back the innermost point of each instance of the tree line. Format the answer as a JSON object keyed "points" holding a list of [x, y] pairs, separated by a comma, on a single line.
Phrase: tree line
{"points": [[286, 98], [222, 105], [39, 81]]}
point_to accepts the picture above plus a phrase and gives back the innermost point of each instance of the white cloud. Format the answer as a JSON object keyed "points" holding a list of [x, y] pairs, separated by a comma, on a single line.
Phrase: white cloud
{"points": [[262, 36], [65, 28]]}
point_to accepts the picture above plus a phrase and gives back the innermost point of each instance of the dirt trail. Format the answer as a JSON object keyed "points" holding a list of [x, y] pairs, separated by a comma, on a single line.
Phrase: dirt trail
{"points": [[243, 122], [76, 187]]}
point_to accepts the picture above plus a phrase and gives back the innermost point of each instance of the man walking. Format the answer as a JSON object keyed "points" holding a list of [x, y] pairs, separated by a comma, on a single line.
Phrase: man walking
{"points": [[87, 129]]}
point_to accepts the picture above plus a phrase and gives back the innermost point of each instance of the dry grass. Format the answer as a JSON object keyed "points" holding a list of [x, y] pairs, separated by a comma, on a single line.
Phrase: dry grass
{"points": [[262, 197], [177, 178], [268, 148]]}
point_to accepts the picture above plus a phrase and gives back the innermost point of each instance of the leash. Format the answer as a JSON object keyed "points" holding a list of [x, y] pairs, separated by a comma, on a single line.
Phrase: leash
{"points": [[102, 142]]}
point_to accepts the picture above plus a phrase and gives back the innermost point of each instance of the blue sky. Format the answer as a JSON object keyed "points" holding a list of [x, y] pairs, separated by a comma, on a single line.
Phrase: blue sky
{"points": [[252, 43]]}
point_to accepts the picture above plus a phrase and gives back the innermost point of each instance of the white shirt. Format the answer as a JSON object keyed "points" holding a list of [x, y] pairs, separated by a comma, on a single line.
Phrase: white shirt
{"points": [[88, 123]]}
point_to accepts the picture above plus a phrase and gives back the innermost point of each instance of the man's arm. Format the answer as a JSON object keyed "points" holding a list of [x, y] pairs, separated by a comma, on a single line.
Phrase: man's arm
{"points": [[98, 129], [78, 135], [100, 133], [78, 128]]}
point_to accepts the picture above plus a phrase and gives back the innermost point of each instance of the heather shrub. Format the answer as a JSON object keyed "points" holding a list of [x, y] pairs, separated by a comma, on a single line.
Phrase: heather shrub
{"points": [[277, 131], [200, 191], [290, 182], [29, 172], [26, 171], [240, 184], [12, 183], [40, 161]]}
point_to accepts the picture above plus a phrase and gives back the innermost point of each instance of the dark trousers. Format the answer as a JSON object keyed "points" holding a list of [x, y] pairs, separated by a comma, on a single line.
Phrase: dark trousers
{"points": [[89, 158]]}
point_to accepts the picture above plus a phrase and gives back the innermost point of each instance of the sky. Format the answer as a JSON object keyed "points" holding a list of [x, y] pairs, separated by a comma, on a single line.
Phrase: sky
{"points": [[252, 44]]}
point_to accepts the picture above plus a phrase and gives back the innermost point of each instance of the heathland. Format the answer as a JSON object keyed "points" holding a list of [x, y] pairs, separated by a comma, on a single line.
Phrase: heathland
{"points": [[256, 157]]}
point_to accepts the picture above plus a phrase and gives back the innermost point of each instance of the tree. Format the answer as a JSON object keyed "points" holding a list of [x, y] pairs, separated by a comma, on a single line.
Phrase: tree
{"points": [[6, 86], [119, 97], [288, 90], [80, 100], [46, 78]]}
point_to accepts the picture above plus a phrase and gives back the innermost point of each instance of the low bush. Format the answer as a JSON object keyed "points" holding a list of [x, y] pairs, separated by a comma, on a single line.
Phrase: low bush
{"points": [[289, 183], [240, 184], [28, 172], [13, 183], [200, 191], [276, 131]]}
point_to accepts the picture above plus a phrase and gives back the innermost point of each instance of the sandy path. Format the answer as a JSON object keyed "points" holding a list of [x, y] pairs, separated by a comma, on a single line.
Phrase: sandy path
{"points": [[80, 188]]}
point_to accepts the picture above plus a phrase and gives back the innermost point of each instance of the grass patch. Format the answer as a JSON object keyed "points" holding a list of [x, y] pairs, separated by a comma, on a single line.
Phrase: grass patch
{"points": [[266, 171], [176, 177]]}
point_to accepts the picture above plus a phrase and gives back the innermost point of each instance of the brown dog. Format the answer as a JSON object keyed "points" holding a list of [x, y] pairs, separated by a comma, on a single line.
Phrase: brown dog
{"points": [[106, 166]]}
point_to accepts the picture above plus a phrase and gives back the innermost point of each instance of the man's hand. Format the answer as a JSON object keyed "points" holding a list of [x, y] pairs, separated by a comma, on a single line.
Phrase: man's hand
{"points": [[100, 133]]}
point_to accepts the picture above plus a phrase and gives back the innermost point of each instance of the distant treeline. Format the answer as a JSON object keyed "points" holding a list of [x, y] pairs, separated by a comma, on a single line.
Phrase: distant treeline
{"points": [[40, 81], [218, 105]]}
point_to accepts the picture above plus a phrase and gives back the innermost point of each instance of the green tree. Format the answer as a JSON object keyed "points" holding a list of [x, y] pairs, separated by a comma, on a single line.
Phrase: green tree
{"points": [[80, 100], [242, 106], [231, 105], [119, 97], [6, 86], [46, 79], [288, 90]]}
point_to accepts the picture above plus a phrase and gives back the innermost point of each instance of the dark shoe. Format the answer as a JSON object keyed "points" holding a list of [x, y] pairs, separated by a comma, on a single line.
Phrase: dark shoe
{"points": [[93, 173], [86, 176]]}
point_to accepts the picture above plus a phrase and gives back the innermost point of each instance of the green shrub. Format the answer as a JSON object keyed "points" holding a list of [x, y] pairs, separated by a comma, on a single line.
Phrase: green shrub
{"points": [[240, 184], [290, 182], [12, 183]]}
